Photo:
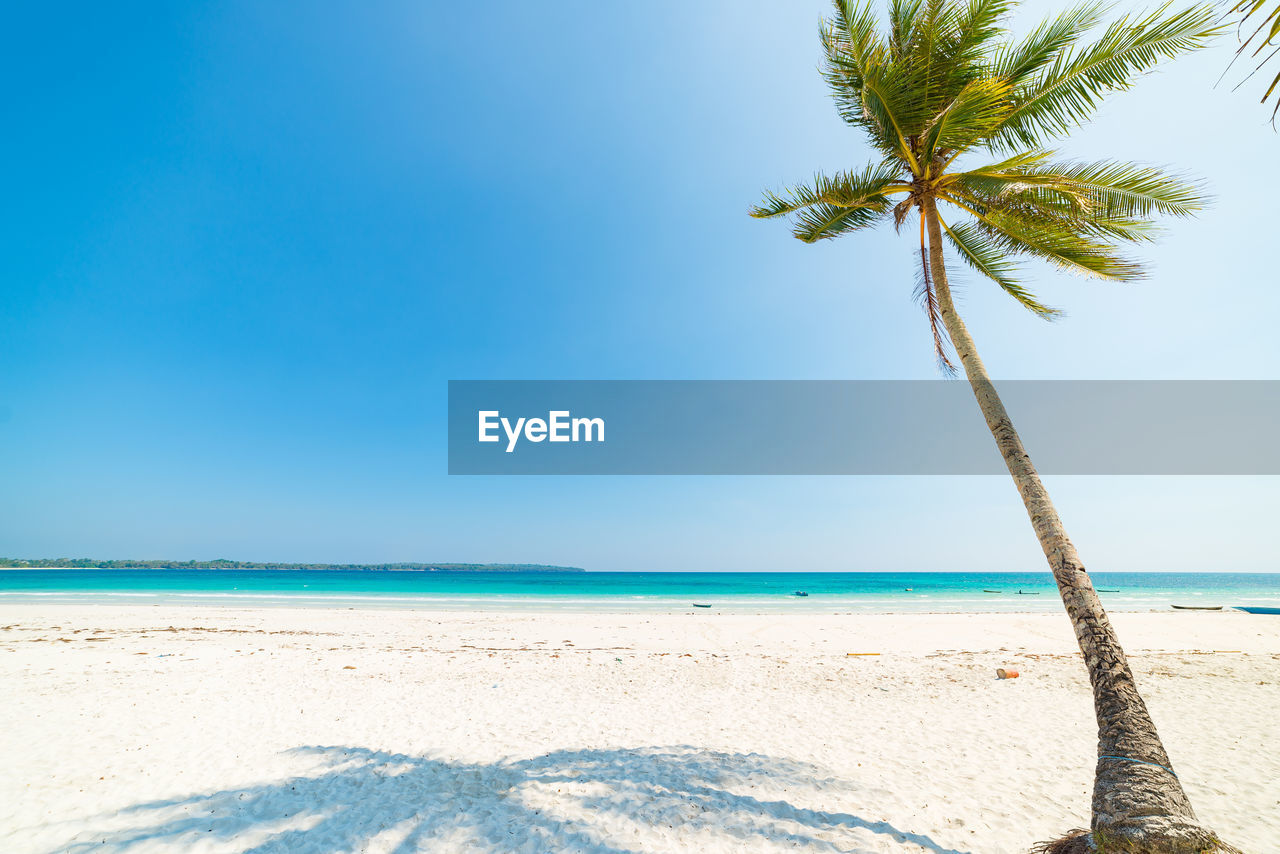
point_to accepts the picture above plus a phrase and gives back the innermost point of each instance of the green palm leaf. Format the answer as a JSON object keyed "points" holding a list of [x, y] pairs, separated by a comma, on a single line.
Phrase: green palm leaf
{"points": [[1104, 189], [980, 26], [1056, 242], [1267, 36], [985, 256], [1017, 62], [1069, 89], [844, 189], [870, 90], [833, 205], [824, 221], [1125, 190], [977, 109]]}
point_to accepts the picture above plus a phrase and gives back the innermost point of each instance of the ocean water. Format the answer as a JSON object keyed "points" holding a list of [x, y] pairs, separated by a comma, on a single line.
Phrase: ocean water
{"points": [[605, 592]]}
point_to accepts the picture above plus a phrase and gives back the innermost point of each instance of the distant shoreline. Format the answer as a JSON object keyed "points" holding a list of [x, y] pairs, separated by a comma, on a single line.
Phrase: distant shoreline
{"points": [[89, 563]]}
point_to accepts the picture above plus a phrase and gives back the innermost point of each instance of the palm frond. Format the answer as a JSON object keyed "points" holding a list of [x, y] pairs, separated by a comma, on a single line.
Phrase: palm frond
{"points": [[1018, 162], [1056, 242], [902, 20], [844, 189], [976, 110], [1102, 194], [1055, 208], [825, 221], [1127, 190], [902, 212], [1068, 90], [1270, 23], [928, 299], [943, 52], [982, 253], [871, 92], [1017, 62], [979, 27], [833, 205], [948, 45]]}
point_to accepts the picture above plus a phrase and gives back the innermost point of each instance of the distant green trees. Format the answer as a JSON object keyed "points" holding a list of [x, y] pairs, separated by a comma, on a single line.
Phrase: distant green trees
{"points": [[223, 563]]}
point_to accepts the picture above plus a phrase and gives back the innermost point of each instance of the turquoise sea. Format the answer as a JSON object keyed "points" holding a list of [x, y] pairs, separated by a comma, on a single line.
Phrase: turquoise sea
{"points": [[741, 592]]}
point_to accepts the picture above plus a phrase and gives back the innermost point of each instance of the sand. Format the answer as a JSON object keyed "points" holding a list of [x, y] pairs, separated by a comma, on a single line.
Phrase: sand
{"points": [[177, 729]]}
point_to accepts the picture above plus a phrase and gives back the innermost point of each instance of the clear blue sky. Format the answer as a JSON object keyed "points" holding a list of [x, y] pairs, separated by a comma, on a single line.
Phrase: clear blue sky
{"points": [[245, 245]]}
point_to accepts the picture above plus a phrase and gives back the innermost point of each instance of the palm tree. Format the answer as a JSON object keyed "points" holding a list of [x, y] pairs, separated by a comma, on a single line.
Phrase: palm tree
{"points": [[943, 84]]}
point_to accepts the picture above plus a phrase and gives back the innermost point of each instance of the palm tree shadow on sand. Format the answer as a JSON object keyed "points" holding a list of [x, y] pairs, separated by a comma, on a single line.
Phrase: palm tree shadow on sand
{"points": [[599, 801]]}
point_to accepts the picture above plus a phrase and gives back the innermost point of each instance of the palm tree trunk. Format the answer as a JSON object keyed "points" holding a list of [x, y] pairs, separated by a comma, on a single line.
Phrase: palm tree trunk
{"points": [[1137, 798]]}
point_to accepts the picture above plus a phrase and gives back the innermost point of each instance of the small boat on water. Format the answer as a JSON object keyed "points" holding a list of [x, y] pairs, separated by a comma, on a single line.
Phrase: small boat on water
{"points": [[1197, 607], [1028, 592], [1100, 590], [1257, 609], [700, 605], [992, 591], [799, 593]]}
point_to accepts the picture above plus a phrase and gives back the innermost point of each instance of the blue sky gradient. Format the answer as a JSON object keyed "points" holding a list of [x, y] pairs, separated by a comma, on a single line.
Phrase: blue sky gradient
{"points": [[246, 245]]}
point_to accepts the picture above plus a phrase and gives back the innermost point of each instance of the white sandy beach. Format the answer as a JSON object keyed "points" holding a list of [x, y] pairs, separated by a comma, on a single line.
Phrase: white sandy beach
{"points": [[177, 729]]}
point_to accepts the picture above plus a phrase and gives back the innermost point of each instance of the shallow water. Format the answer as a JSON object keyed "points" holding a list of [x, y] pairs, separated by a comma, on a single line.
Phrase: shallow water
{"points": [[865, 592]]}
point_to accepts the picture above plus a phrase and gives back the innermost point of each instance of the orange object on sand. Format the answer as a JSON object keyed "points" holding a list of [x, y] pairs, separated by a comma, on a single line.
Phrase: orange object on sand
{"points": [[1006, 673]]}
